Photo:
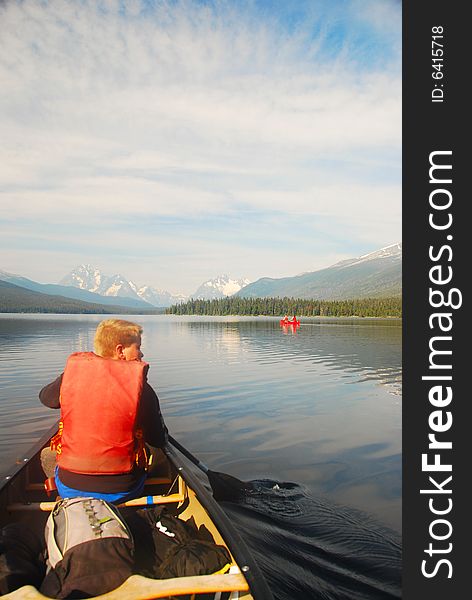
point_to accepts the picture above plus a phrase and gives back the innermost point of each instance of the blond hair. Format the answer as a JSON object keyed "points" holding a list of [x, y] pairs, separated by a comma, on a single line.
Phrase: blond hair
{"points": [[112, 332]]}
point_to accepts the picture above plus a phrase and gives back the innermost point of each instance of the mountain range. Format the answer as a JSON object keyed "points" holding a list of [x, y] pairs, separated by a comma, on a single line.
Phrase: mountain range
{"points": [[17, 299], [374, 275], [377, 274], [70, 292], [87, 283], [90, 278]]}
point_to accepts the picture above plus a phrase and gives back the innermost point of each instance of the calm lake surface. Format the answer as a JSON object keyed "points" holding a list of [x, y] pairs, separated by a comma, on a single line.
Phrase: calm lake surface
{"points": [[320, 406], [311, 417]]}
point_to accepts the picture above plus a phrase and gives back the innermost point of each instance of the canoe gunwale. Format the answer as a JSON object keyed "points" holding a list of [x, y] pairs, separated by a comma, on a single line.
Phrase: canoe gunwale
{"points": [[138, 587], [257, 584], [23, 461]]}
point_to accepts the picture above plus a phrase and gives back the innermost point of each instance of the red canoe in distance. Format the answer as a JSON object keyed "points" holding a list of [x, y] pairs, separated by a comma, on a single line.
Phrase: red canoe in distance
{"points": [[284, 322]]}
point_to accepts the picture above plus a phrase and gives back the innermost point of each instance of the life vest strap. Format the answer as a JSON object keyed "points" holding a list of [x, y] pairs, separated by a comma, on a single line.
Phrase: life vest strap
{"points": [[142, 456], [55, 443]]}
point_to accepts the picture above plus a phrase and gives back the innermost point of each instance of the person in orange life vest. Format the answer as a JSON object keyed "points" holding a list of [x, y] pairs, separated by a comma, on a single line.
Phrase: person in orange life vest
{"points": [[106, 405]]}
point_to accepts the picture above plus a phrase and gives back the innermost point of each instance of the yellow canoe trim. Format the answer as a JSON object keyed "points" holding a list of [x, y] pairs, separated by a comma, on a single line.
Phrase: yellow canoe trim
{"points": [[224, 569], [137, 587], [143, 501]]}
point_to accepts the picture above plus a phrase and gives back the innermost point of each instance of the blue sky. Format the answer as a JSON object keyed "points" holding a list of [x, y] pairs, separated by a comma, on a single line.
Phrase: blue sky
{"points": [[174, 141]]}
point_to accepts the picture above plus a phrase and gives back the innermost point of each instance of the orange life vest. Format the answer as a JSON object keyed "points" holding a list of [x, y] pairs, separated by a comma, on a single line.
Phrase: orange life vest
{"points": [[99, 404]]}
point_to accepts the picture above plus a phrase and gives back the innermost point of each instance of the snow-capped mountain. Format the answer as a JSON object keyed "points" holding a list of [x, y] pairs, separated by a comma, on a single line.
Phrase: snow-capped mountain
{"points": [[86, 277], [393, 252], [89, 277], [92, 279], [219, 287], [374, 275], [72, 291], [160, 297]]}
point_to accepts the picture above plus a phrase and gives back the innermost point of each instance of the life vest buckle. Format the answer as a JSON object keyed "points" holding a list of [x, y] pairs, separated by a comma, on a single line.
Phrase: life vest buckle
{"points": [[50, 485]]}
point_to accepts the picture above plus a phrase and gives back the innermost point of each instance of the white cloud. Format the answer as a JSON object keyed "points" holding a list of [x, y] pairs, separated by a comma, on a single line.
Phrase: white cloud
{"points": [[196, 110]]}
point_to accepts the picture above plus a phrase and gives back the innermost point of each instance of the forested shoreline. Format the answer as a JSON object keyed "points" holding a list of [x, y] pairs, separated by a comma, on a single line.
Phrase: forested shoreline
{"points": [[233, 305]]}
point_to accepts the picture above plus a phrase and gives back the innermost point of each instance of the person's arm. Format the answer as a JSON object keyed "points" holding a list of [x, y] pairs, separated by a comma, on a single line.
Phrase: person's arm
{"points": [[150, 418], [50, 393]]}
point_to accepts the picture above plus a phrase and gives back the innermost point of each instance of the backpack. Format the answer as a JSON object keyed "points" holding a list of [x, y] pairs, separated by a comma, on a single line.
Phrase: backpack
{"points": [[170, 547], [90, 549]]}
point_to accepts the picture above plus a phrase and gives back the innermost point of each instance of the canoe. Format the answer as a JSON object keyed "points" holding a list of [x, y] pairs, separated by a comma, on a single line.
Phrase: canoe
{"points": [[23, 498], [284, 322]]}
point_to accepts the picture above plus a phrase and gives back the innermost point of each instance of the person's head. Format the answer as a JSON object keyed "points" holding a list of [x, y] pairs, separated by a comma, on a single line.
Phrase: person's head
{"points": [[118, 339]]}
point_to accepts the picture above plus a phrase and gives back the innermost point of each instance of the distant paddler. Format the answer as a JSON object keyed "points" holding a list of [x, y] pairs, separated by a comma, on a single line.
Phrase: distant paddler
{"points": [[287, 321]]}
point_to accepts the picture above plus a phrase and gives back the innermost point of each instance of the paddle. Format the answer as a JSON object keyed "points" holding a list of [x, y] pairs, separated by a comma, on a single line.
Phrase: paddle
{"points": [[224, 486]]}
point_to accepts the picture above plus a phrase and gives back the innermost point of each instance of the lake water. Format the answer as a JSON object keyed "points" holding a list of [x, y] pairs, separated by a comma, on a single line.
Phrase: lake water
{"points": [[319, 408]]}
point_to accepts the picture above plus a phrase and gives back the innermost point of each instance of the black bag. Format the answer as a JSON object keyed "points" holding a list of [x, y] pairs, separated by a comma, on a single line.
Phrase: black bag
{"points": [[171, 547], [21, 558], [90, 549]]}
